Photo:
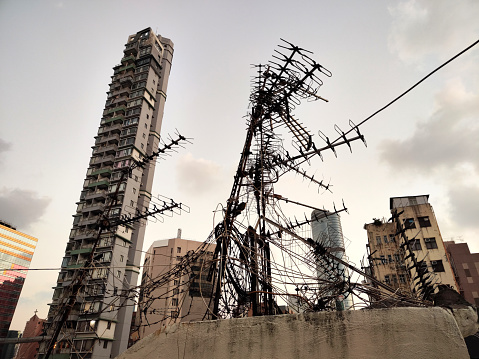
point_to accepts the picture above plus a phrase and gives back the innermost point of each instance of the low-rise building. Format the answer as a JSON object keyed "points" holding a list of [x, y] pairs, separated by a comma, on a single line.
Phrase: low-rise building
{"points": [[407, 252], [172, 292]]}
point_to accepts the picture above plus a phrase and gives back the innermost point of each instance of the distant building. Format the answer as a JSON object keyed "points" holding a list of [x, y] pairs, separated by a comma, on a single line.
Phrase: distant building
{"points": [[185, 296], [8, 351], [33, 328], [16, 252], [327, 231], [408, 254], [466, 269]]}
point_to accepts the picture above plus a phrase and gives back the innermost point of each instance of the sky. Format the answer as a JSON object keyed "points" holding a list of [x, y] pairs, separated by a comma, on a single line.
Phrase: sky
{"points": [[55, 68]]}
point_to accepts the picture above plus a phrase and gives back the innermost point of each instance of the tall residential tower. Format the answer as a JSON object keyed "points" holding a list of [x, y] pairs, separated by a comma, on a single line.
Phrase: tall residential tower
{"points": [[99, 323]]}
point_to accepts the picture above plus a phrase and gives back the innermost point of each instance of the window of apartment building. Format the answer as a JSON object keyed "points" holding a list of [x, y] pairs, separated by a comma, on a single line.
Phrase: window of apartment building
{"points": [[178, 249], [118, 273], [409, 223], [121, 258], [390, 258], [422, 267], [402, 278], [176, 282], [174, 314], [392, 239], [396, 258], [430, 243], [468, 272], [394, 278], [378, 239], [105, 344], [424, 221], [176, 291], [437, 266], [387, 279], [385, 239], [383, 259], [174, 302], [416, 245]]}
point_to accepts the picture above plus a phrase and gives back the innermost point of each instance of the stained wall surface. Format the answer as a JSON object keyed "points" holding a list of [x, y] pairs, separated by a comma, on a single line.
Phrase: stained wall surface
{"points": [[382, 333]]}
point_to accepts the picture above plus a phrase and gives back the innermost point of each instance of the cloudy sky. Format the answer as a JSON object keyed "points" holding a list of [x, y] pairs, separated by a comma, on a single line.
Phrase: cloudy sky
{"points": [[56, 63]]}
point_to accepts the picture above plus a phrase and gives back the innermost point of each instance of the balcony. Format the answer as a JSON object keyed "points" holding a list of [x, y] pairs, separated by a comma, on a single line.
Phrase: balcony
{"points": [[74, 265], [98, 184], [103, 172], [128, 59], [94, 208], [121, 91], [107, 160], [131, 48], [116, 109], [113, 138], [120, 100], [110, 150], [116, 119], [85, 234], [88, 221], [130, 67], [83, 250], [127, 80], [96, 194]]}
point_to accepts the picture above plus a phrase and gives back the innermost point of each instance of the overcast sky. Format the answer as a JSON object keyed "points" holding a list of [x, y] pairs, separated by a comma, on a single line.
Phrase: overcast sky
{"points": [[56, 63]]}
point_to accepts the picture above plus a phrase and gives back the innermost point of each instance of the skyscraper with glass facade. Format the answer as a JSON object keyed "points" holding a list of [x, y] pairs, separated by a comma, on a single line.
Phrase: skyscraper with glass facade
{"points": [[16, 252]]}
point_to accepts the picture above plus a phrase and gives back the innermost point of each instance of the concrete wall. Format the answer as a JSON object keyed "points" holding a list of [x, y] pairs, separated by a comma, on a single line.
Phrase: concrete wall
{"points": [[382, 333]]}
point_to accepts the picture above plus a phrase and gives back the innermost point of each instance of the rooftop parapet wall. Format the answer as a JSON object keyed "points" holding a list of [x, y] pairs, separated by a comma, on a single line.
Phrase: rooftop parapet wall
{"points": [[382, 333]]}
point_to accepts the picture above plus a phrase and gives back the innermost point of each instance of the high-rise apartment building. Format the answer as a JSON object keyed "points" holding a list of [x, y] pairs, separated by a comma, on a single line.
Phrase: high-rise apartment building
{"points": [[408, 253], [16, 252], [184, 296], [99, 323]]}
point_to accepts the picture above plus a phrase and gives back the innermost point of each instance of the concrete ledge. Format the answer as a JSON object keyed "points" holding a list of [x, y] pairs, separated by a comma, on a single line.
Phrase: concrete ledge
{"points": [[380, 333]]}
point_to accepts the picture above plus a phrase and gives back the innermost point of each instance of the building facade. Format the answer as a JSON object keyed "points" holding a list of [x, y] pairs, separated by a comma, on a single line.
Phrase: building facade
{"points": [[16, 252], [327, 231], [466, 269], [99, 322], [408, 253], [184, 295], [33, 328]]}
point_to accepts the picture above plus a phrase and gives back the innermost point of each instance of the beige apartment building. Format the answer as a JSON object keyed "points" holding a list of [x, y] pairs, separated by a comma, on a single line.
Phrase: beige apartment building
{"points": [[172, 292], [408, 253]]}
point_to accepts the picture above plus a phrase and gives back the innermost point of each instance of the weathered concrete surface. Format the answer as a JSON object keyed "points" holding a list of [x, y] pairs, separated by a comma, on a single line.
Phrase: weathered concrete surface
{"points": [[466, 319], [412, 333]]}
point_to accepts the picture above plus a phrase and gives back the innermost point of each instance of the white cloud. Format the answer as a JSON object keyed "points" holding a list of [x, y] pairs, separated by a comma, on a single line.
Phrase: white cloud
{"points": [[448, 139], [464, 205], [429, 27], [4, 146], [197, 176], [22, 208]]}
